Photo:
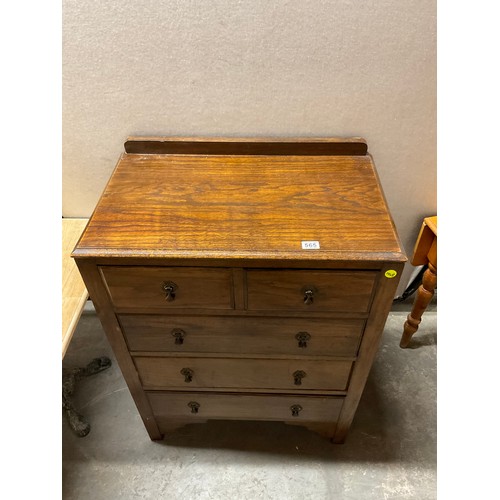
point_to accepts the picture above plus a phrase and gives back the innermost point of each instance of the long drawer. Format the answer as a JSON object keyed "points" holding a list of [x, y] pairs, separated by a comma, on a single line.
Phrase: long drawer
{"points": [[310, 291], [251, 335], [227, 373], [168, 288], [194, 406]]}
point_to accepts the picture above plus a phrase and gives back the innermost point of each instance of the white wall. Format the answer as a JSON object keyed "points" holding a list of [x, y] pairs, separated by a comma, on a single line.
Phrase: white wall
{"points": [[255, 67]]}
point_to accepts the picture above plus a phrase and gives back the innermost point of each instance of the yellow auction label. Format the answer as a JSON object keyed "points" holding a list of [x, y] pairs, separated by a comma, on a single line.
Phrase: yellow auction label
{"points": [[390, 273]]}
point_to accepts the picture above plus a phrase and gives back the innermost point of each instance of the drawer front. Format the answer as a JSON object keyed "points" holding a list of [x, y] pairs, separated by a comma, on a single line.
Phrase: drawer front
{"points": [[226, 373], [308, 291], [250, 335], [168, 288], [202, 405]]}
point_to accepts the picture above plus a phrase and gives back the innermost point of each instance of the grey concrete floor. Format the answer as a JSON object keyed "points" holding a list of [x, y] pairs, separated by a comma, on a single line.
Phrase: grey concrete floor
{"points": [[390, 452]]}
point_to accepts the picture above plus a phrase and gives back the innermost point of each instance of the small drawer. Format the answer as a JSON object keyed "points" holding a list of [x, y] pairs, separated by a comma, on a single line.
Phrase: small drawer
{"points": [[228, 373], [168, 288], [190, 406], [248, 335], [308, 291]]}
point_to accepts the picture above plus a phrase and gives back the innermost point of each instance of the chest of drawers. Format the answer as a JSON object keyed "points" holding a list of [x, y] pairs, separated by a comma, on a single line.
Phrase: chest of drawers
{"points": [[243, 278]]}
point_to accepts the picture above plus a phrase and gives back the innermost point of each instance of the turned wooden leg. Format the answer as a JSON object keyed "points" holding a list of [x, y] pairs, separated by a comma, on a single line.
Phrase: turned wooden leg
{"points": [[424, 295]]}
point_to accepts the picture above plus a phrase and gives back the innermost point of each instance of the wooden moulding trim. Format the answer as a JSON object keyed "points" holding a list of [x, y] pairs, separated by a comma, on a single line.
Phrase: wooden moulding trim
{"points": [[294, 146], [334, 256], [233, 355], [364, 265], [248, 391], [242, 313]]}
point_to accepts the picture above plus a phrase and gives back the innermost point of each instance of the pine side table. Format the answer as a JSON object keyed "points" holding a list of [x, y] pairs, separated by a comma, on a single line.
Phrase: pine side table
{"points": [[425, 253]]}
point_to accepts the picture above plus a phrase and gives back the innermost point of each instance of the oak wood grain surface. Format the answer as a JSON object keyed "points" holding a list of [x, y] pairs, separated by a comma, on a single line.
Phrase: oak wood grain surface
{"points": [[165, 373], [248, 145], [255, 335], [372, 335], [100, 298], [194, 287], [330, 290], [242, 207], [244, 406], [224, 221]]}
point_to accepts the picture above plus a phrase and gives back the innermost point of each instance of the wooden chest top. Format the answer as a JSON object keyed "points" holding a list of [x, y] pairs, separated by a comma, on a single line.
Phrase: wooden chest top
{"points": [[242, 206]]}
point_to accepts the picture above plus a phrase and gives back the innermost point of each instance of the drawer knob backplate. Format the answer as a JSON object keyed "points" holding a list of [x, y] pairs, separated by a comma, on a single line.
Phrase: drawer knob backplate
{"points": [[298, 376], [188, 374], [309, 292], [169, 287], [194, 406], [303, 338], [308, 297], [179, 335], [295, 410]]}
